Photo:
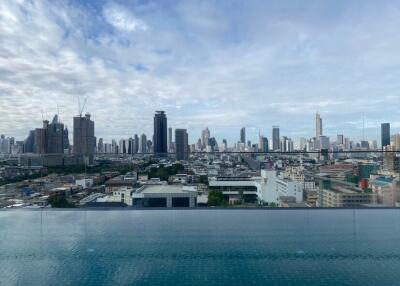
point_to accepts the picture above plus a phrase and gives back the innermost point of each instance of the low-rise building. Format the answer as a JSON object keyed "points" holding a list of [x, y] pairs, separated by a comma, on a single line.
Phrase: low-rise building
{"points": [[165, 196], [266, 188], [387, 190], [344, 197]]}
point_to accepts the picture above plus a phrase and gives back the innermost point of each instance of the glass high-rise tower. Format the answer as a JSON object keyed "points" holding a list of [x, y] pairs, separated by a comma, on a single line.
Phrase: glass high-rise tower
{"points": [[385, 134], [160, 133], [275, 138]]}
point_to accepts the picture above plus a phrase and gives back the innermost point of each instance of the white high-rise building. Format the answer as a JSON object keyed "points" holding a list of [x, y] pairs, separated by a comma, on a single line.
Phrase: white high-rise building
{"points": [[396, 142], [123, 146], [169, 147], [318, 125], [6, 144]]}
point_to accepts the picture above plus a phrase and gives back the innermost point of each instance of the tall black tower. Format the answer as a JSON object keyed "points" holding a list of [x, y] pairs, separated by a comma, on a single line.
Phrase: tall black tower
{"points": [[160, 133]]}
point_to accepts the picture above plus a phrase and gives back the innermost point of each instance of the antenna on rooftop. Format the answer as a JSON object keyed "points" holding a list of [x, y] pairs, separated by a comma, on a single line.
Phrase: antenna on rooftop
{"points": [[363, 131]]}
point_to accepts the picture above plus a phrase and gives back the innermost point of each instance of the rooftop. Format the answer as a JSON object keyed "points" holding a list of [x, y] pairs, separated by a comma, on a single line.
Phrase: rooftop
{"points": [[162, 189]]}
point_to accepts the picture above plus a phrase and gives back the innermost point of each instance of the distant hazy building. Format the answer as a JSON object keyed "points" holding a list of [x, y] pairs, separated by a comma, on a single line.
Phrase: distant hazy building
{"points": [[199, 145], [324, 142], [84, 140], [364, 144], [100, 146], [340, 139], [29, 143], [243, 135], [385, 134], [347, 144], [160, 133], [149, 146], [286, 144], [373, 144], [396, 142], [303, 143], [263, 147], [318, 125], [181, 144], [205, 136], [275, 138], [67, 145], [123, 146], [143, 144], [135, 144], [212, 145], [6, 144]]}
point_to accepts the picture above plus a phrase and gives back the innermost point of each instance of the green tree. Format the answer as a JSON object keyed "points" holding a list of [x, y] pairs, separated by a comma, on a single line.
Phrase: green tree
{"points": [[164, 172], [203, 179], [60, 202], [216, 198]]}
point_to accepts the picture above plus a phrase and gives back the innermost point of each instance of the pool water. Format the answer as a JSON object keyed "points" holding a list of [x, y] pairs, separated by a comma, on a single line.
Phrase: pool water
{"points": [[200, 247]]}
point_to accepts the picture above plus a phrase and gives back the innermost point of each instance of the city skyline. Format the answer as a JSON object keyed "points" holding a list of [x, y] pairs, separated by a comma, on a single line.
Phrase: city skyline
{"points": [[290, 60], [254, 137]]}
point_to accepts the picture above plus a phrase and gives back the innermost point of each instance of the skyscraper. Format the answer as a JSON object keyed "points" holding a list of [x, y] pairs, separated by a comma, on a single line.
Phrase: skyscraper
{"points": [[205, 136], [100, 146], [55, 133], [84, 140], [136, 144], [6, 144], [263, 144], [66, 144], [318, 125], [29, 143], [143, 144], [41, 139], [169, 147], [323, 142], [385, 134], [340, 139], [131, 146], [123, 146], [50, 138], [275, 138], [243, 135], [160, 133], [181, 144], [286, 144], [397, 142]]}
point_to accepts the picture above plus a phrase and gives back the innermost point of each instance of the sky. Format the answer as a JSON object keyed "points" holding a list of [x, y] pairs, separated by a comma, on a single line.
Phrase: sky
{"points": [[222, 64]]}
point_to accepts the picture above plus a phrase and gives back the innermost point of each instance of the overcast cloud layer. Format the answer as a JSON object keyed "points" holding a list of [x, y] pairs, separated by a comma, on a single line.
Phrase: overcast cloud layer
{"points": [[222, 64]]}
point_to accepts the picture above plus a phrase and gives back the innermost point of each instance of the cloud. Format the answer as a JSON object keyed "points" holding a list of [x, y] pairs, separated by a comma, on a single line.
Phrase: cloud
{"points": [[122, 19], [222, 64]]}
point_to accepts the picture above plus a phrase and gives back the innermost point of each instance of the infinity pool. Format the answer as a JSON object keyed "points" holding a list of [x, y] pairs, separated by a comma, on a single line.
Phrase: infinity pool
{"points": [[200, 247]]}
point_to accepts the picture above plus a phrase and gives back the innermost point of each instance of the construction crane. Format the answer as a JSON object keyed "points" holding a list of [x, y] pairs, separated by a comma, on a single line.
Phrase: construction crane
{"points": [[81, 106]]}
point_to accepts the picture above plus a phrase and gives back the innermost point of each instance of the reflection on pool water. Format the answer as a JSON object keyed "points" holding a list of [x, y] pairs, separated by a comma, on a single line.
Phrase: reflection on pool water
{"points": [[200, 247]]}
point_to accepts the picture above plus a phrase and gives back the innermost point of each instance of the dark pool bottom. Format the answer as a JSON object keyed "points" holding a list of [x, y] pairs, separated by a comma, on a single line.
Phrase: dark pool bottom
{"points": [[200, 247]]}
